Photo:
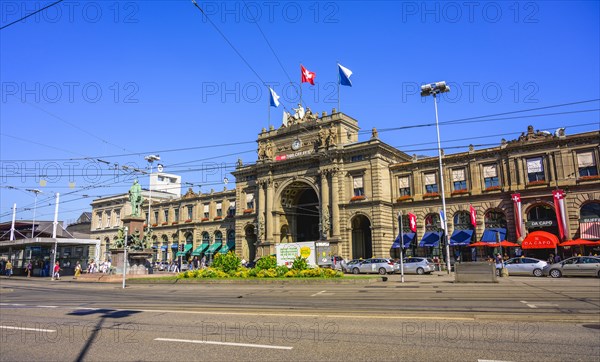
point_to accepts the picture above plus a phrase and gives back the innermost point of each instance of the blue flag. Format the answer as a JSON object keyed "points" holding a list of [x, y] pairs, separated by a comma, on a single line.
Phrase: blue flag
{"points": [[273, 98], [442, 218], [345, 74]]}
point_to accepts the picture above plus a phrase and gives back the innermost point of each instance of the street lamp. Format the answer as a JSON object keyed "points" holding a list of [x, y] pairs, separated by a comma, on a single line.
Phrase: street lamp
{"points": [[434, 89], [150, 159], [36, 192]]}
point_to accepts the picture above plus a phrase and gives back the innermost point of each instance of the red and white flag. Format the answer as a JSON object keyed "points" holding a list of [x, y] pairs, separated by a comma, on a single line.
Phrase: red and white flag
{"points": [[307, 76], [412, 222], [559, 208], [473, 214], [518, 219]]}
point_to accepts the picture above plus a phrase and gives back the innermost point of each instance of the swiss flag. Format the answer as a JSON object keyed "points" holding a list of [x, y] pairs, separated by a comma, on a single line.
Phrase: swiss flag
{"points": [[307, 75], [412, 222], [473, 213]]}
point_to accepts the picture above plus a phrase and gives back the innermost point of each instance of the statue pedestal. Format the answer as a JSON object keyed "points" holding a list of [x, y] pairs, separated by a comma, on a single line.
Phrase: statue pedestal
{"points": [[134, 224], [138, 261]]}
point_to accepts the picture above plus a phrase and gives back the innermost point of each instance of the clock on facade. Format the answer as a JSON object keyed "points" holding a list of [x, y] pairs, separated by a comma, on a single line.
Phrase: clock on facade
{"points": [[296, 144]]}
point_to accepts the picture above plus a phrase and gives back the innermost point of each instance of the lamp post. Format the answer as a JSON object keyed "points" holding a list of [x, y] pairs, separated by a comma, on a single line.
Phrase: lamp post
{"points": [[434, 89], [36, 192], [150, 159]]}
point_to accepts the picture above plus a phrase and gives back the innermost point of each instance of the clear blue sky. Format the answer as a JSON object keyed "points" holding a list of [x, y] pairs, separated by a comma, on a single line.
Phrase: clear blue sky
{"points": [[107, 78]]}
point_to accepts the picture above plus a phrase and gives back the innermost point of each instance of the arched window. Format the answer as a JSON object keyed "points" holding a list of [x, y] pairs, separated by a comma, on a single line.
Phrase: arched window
{"points": [[462, 221], [189, 238], [205, 238], [495, 219], [432, 222], [231, 237], [589, 221], [540, 213], [218, 237], [590, 210]]}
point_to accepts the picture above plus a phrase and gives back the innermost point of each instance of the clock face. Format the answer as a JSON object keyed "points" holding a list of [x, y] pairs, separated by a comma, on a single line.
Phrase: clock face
{"points": [[296, 144]]}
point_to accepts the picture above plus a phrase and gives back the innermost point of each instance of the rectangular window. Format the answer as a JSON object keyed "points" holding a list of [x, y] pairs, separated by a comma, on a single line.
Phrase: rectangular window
{"points": [[166, 215], [117, 217], [231, 210], [99, 220], [155, 217], [206, 211], [586, 164], [356, 158], [176, 214], [535, 169], [358, 187], [108, 216], [190, 212], [404, 185], [458, 179], [490, 176], [430, 183], [249, 201], [219, 209]]}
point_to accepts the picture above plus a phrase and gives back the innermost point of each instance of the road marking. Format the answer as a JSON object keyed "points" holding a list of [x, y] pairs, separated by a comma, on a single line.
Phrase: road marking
{"points": [[47, 306], [223, 343], [314, 295], [489, 360], [28, 329], [534, 305]]}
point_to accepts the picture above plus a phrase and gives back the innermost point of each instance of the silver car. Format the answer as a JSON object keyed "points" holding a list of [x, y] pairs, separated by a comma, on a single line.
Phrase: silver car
{"points": [[375, 265], [525, 266], [575, 266], [418, 265]]}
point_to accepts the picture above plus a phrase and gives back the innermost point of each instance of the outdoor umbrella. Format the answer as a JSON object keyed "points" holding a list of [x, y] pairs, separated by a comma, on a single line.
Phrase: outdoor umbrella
{"points": [[579, 242]]}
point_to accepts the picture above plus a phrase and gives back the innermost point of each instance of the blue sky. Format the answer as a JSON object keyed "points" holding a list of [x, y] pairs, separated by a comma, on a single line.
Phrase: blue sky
{"points": [[121, 80]]}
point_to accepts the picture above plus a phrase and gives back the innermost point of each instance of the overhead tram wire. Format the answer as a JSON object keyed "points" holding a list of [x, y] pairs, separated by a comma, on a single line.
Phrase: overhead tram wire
{"points": [[32, 14]]}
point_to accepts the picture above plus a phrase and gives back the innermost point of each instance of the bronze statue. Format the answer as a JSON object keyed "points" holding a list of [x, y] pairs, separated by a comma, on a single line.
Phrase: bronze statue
{"points": [[135, 198]]}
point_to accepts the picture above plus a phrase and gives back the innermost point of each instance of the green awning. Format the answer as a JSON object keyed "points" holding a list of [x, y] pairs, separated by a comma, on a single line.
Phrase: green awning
{"points": [[213, 248], [226, 248], [186, 250], [199, 250]]}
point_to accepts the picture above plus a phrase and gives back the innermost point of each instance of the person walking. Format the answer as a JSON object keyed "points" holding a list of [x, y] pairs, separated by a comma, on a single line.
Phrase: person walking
{"points": [[56, 271], [8, 268], [77, 270], [29, 267]]}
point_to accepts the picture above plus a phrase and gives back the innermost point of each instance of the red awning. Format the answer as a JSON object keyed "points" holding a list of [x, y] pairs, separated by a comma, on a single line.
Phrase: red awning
{"points": [[505, 244], [540, 240], [481, 243], [579, 242]]}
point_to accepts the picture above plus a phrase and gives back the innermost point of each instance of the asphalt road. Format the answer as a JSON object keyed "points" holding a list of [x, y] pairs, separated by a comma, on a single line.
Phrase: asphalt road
{"points": [[426, 318]]}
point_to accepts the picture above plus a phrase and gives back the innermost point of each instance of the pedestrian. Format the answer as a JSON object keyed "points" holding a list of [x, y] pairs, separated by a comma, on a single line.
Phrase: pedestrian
{"points": [[557, 258], [29, 267], [203, 262], [8, 268], [550, 259], [77, 270], [56, 271]]}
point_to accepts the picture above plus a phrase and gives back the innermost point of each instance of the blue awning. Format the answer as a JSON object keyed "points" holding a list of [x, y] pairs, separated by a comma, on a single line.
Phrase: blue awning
{"points": [[174, 246], [408, 238], [154, 247], [461, 237], [163, 248], [489, 235], [430, 239]]}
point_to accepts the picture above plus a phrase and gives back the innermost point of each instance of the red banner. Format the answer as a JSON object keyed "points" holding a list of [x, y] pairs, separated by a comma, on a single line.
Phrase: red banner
{"points": [[473, 214], [412, 222], [518, 220], [559, 208]]}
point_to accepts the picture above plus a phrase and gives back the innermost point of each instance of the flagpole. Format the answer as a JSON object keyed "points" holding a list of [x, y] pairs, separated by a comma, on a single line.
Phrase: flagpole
{"points": [[338, 86], [269, 107], [401, 246]]}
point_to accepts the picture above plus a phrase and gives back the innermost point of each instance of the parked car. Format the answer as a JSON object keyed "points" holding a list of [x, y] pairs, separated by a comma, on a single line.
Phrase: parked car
{"points": [[525, 266], [575, 266], [338, 263], [375, 265], [347, 266], [418, 265]]}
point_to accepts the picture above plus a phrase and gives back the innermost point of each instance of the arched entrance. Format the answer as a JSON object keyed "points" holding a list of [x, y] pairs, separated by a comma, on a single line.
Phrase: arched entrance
{"points": [[361, 237], [300, 205], [250, 242], [542, 217]]}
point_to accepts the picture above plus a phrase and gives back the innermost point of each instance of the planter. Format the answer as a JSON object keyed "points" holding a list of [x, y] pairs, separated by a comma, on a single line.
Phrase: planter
{"points": [[589, 178], [431, 195], [358, 198], [204, 219], [154, 225], [460, 192], [404, 198], [165, 223], [538, 183], [493, 188], [218, 217], [188, 220], [248, 211], [175, 223]]}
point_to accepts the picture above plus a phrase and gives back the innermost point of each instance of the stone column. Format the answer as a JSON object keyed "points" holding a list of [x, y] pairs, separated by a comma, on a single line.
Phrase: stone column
{"points": [[335, 201], [324, 203], [260, 210], [269, 211], [550, 165]]}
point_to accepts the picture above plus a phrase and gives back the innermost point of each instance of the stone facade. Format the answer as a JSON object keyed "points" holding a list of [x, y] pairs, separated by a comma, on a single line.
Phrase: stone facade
{"points": [[313, 180]]}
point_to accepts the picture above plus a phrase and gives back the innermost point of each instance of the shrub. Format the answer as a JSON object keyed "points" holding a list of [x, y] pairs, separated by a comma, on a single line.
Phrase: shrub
{"points": [[291, 273], [300, 263], [227, 262], [266, 262], [282, 270]]}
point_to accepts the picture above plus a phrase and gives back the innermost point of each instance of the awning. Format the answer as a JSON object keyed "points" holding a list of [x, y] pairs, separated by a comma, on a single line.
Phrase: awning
{"points": [[213, 248], [504, 244], [227, 247], [199, 250], [540, 240], [589, 230], [461, 237], [408, 238], [430, 239], [579, 242], [489, 235], [186, 250], [163, 248], [174, 246], [154, 246]]}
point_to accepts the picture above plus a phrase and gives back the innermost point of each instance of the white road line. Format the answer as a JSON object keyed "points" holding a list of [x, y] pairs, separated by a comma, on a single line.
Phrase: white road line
{"points": [[314, 295], [489, 360], [28, 329], [524, 301], [223, 343], [47, 306]]}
